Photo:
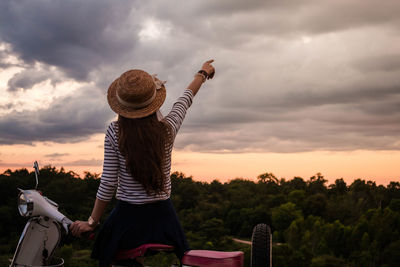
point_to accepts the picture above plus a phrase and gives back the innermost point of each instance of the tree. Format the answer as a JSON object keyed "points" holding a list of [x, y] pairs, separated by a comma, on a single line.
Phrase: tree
{"points": [[284, 215], [267, 177], [315, 205], [339, 187]]}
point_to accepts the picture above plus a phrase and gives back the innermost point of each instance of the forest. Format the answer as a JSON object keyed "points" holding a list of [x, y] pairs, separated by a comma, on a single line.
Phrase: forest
{"points": [[314, 223]]}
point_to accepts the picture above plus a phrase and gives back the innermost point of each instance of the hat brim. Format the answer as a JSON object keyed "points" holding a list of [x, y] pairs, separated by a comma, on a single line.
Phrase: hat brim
{"points": [[133, 113]]}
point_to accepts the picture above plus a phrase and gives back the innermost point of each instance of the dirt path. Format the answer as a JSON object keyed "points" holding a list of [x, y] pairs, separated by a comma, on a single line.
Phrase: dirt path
{"points": [[242, 241]]}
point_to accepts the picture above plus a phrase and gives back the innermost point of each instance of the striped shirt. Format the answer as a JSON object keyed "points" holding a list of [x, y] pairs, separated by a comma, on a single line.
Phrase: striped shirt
{"points": [[116, 176]]}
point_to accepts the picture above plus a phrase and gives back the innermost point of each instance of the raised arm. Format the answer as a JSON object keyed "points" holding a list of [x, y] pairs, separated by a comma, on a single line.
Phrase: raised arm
{"points": [[177, 114], [207, 72]]}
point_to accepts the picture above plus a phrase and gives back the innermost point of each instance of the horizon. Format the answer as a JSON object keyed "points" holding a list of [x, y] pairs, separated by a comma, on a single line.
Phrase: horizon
{"points": [[300, 87], [209, 176]]}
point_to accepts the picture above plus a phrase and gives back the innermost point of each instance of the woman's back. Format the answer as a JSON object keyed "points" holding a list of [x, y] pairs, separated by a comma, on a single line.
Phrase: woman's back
{"points": [[117, 176]]}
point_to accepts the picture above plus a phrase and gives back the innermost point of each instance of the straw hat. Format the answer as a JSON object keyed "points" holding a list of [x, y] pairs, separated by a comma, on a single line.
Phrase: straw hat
{"points": [[136, 94]]}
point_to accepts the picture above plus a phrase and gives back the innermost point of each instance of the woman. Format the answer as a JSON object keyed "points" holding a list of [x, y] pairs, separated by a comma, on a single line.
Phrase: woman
{"points": [[137, 163]]}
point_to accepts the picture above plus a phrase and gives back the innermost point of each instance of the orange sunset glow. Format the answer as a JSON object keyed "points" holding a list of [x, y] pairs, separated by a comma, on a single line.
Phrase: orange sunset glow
{"points": [[378, 166]]}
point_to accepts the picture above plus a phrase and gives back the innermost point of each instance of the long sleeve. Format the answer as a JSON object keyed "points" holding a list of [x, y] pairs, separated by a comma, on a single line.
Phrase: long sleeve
{"points": [[109, 177], [178, 112]]}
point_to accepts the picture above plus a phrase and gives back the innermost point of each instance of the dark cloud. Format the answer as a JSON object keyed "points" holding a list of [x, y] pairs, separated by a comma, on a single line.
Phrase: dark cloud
{"points": [[68, 119], [27, 78], [308, 98], [331, 16], [7, 106], [357, 118], [310, 132], [386, 63], [236, 22], [14, 164], [248, 105], [56, 155], [73, 35], [84, 162]]}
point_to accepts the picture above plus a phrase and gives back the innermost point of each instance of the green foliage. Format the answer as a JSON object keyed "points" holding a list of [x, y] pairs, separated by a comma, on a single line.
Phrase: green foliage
{"points": [[162, 259], [328, 261], [283, 215], [313, 223], [5, 259]]}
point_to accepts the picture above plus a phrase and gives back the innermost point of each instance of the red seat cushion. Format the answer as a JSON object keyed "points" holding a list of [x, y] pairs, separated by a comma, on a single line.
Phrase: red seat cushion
{"points": [[141, 251], [211, 258]]}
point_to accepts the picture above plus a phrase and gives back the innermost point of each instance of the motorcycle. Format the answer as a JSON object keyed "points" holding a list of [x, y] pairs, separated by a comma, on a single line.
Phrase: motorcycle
{"points": [[46, 227]]}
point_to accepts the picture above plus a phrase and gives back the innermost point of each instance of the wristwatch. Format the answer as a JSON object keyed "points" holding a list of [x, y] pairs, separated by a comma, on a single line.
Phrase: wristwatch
{"points": [[204, 73], [92, 222]]}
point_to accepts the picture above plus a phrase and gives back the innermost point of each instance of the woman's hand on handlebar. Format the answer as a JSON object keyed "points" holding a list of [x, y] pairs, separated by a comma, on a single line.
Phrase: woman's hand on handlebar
{"points": [[79, 227]]}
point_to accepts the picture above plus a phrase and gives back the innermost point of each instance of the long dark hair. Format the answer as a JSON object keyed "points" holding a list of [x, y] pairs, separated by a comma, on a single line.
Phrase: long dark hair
{"points": [[142, 142]]}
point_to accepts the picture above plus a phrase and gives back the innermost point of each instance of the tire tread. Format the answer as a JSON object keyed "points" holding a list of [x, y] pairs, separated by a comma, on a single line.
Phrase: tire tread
{"points": [[260, 248]]}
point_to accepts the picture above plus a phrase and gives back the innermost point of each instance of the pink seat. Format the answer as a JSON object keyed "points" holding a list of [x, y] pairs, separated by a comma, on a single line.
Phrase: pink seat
{"points": [[211, 258], [141, 251]]}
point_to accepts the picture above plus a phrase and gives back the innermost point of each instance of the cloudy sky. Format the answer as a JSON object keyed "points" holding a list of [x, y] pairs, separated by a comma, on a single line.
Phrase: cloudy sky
{"points": [[301, 86]]}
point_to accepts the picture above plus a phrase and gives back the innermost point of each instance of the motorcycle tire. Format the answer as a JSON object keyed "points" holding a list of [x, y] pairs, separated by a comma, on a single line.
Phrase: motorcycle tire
{"points": [[261, 246]]}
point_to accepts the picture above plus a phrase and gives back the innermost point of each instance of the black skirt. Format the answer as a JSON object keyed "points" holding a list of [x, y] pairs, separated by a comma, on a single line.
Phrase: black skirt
{"points": [[130, 226]]}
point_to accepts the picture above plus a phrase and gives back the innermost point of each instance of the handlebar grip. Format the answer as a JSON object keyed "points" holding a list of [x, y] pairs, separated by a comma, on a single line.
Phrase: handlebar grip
{"points": [[89, 235]]}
